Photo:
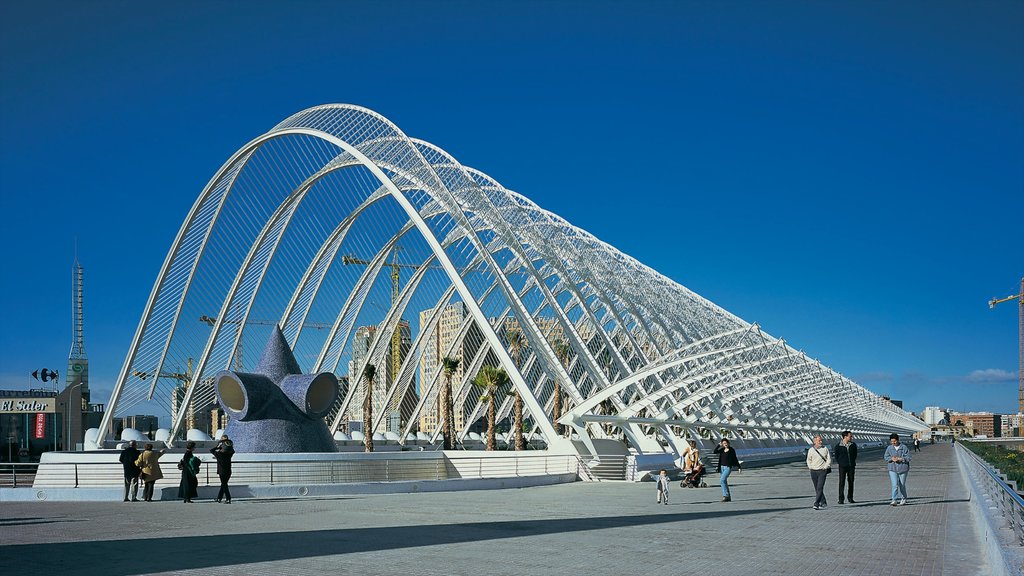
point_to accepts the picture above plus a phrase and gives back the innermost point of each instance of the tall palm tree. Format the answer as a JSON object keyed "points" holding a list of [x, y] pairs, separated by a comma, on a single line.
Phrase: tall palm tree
{"points": [[516, 343], [368, 373], [450, 366], [492, 380], [562, 349]]}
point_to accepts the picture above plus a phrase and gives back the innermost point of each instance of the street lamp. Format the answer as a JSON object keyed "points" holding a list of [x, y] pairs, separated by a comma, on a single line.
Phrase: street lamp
{"points": [[67, 414]]}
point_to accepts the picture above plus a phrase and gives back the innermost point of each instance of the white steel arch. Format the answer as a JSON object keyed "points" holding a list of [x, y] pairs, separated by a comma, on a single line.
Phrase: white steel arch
{"points": [[336, 220]]}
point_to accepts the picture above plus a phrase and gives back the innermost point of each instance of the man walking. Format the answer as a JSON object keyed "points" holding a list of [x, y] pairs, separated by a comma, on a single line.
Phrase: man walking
{"points": [[897, 458], [846, 457], [131, 471]]}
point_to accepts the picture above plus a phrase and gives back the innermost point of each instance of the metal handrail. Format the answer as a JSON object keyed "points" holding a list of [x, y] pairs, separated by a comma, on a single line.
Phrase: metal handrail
{"points": [[304, 471], [1009, 503]]}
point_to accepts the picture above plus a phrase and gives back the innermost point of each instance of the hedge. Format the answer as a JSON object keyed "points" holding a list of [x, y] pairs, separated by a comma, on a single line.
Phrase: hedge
{"points": [[1009, 462]]}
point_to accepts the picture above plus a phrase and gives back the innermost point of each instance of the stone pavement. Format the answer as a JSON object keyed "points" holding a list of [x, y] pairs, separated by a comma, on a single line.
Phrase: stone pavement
{"points": [[580, 528]]}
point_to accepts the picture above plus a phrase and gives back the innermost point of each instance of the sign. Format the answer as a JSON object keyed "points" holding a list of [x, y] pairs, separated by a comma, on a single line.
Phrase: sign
{"points": [[40, 425], [26, 405]]}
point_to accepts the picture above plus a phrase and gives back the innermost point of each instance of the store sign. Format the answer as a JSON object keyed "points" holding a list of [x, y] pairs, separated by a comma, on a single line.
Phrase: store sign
{"points": [[26, 405], [40, 425]]}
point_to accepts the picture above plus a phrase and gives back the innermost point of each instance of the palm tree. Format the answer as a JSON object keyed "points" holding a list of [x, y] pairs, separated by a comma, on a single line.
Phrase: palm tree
{"points": [[516, 343], [491, 379], [562, 349], [368, 373], [450, 365]]}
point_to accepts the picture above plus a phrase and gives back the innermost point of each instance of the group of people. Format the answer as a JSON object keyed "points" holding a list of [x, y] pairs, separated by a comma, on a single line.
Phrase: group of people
{"points": [[145, 467], [819, 461], [693, 470]]}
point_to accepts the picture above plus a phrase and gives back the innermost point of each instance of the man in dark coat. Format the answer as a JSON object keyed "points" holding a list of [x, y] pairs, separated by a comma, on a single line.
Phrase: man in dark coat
{"points": [[131, 471], [845, 455], [223, 452]]}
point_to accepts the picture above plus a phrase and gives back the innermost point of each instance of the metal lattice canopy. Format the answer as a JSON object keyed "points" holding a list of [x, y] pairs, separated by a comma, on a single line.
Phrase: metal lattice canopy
{"points": [[370, 247]]}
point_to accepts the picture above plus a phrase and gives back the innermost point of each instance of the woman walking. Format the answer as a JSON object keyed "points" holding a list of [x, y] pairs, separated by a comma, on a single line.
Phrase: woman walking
{"points": [[189, 466], [819, 462], [897, 459], [727, 462], [149, 463]]}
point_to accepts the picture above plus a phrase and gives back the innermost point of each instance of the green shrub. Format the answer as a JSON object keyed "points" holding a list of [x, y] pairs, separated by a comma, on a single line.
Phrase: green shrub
{"points": [[1009, 462]]}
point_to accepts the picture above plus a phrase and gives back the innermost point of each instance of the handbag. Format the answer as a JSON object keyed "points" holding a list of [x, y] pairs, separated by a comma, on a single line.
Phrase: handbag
{"points": [[827, 470]]}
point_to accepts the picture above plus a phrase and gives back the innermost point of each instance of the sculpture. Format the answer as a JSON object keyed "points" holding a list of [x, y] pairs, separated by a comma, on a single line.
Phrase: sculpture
{"points": [[277, 408]]}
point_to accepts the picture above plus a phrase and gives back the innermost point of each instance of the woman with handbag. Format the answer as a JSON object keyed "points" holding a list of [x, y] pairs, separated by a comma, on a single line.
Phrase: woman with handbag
{"points": [[819, 462], [189, 466], [149, 463]]}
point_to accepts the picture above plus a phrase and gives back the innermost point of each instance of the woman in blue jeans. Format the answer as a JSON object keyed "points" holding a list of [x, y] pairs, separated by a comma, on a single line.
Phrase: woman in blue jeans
{"points": [[897, 460], [727, 462]]}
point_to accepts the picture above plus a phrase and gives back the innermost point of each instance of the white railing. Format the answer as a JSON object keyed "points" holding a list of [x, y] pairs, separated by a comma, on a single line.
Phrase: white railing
{"points": [[1003, 492]]}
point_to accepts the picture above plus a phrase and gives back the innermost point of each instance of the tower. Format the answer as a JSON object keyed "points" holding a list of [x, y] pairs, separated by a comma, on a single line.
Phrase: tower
{"points": [[76, 388]]}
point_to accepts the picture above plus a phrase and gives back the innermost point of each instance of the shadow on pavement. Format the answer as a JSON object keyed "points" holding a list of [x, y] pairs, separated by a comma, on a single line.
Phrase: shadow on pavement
{"points": [[162, 554]]}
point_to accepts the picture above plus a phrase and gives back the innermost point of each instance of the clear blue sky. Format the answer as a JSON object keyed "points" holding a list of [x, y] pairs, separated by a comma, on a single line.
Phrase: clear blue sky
{"points": [[850, 175]]}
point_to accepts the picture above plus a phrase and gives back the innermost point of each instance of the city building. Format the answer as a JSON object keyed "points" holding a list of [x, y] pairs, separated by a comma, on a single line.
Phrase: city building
{"points": [[979, 423], [398, 411], [145, 423], [934, 415], [441, 342]]}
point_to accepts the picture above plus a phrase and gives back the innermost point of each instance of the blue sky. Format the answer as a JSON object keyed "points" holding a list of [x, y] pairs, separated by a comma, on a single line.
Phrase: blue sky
{"points": [[848, 175]]}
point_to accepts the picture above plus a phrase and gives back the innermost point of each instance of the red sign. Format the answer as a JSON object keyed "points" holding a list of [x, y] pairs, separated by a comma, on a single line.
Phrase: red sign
{"points": [[40, 425]]}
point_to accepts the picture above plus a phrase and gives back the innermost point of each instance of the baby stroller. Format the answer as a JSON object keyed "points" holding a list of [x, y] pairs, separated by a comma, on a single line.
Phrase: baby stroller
{"points": [[694, 478]]}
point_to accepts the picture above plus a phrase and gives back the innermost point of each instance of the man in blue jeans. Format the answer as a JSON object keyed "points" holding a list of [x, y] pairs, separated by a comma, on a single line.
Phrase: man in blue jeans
{"points": [[897, 460]]}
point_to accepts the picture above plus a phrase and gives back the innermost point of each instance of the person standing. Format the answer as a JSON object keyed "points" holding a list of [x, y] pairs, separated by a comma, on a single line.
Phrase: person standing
{"points": [[727, 462], [149, 463], [917, 444], [131, 472], [897, 458], [846, 457], [661, 483], [188, 488], [223, 452], [819, 462]]}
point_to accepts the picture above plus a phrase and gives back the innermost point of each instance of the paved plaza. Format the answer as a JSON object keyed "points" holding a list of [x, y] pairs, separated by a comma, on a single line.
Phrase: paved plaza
{"points": [[580, 528]]}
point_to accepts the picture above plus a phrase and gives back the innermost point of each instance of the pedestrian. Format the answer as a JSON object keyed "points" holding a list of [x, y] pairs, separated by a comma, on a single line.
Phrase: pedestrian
{"points": [[845, 454], [897, 458], [693, 468], [661, 484], [819, 462], [727, 462], [188, 488], [917, 444], [129, 455], [223, 452], [149, 463]]}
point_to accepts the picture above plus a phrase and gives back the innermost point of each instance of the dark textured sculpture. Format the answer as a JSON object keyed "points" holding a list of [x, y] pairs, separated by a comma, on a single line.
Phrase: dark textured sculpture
{"points": [[277, 408]]}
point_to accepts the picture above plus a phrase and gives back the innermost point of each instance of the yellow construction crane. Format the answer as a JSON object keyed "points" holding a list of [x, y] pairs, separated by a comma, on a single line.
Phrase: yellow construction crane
{"points": [[396, 338], [1019, 297], [184, 380]]}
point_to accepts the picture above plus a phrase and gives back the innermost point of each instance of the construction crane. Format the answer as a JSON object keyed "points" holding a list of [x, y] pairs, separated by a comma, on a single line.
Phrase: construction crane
{"points": [[396, 338], [184, 378], [1019, 297], [210, 321]]}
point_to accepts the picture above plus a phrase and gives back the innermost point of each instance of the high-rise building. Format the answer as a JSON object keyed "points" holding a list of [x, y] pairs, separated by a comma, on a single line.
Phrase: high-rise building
{"points": [[437, 346], [934, 415], [980, 423], [398, 411], [76, 385]]}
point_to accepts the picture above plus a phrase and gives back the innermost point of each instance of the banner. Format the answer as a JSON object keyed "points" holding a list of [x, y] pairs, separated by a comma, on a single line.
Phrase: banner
{"points": [[40, 425]]}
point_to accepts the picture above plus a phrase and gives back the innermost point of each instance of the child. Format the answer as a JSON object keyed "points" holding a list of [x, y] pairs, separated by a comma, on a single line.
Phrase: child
{"points": [[662, 485]]}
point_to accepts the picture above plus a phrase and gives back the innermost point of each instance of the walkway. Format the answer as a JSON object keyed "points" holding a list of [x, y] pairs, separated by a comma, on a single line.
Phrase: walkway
{"points": [[580, 528]]}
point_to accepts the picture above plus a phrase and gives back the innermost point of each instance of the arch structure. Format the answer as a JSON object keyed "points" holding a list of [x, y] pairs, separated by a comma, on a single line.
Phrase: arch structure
{"points": [[368, 247]]}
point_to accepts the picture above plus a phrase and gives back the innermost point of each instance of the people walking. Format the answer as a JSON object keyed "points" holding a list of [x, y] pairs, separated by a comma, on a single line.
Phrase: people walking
{"points": [[917, 444], [661, 483], [845, 453], [897, 458], [129, 455], [149, 464], [188, 488], [223, 452], [819, 462], [727, 462]]}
